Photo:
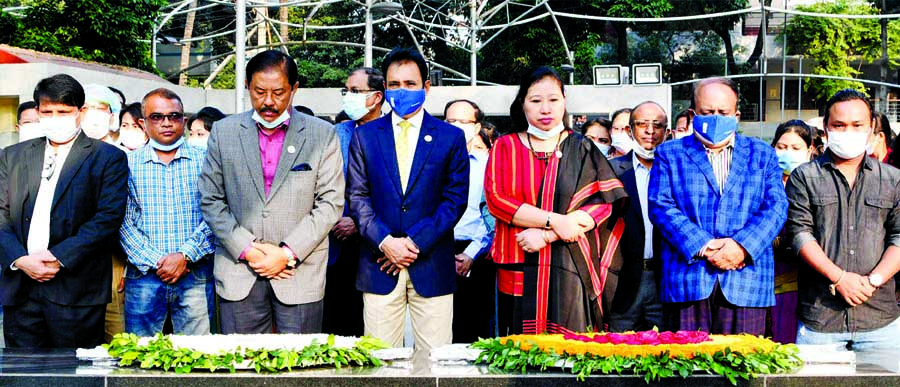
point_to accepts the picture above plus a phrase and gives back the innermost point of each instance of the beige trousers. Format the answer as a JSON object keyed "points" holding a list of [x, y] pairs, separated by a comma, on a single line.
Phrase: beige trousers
{"points": [[115, 310], [432, 317]]}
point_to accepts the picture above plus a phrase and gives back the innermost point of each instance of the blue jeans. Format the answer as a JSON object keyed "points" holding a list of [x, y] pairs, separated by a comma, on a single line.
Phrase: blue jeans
{"points": [[887, 337], [190, 301]]}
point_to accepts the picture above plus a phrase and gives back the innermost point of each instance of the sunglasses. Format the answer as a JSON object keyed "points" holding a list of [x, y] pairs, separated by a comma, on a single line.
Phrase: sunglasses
{"points": [[158, 117]]}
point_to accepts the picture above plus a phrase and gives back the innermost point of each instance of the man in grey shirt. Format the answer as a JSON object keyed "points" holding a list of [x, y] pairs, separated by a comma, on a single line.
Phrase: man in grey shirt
{"points": [[844, 222]]}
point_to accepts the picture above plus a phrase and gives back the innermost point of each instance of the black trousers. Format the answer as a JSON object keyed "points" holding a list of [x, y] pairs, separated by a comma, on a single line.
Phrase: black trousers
{"points": [[262, 312], [343, 315], [473, 302], [38, 323]]}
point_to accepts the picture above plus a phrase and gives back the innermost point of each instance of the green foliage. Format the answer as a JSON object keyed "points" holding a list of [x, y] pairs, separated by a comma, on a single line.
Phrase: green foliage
{"points": [[836, 43], [105, 31], [732, 365], [160, 353]]}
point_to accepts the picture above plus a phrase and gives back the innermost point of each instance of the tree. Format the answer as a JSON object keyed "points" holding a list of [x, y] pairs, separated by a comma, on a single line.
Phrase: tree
{"points": [[632, 9], [107, 31], [721, 26], [837, 43]]}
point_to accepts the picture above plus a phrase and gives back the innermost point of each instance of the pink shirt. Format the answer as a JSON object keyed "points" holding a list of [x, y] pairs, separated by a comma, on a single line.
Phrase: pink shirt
{"points": [[270, 151]]}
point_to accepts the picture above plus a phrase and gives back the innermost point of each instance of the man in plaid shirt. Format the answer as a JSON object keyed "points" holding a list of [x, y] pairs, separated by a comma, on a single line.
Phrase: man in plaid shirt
{"points": [[167, 242]]}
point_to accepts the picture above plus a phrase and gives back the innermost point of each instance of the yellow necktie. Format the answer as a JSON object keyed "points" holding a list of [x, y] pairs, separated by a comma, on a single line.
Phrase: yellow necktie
{"points": [[403, 152]]}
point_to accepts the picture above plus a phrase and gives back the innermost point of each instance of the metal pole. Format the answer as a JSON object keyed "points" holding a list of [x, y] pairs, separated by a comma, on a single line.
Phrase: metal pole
{"points": [[783, 60], [799, 85], [240, 54], [473, 56], [153, 46], [368, 36], [762, 65]]}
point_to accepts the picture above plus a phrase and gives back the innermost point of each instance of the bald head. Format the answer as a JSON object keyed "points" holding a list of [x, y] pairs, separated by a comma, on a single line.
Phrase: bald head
{"points": [[649, 122]]}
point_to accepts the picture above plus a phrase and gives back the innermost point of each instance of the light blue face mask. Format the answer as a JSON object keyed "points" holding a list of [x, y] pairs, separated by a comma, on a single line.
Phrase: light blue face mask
{"points": [[405, 101], [789, 160], [716, 128], [166, 148]]}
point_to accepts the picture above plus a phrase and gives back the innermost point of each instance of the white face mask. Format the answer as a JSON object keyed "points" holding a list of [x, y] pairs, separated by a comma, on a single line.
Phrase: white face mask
{"points": [[545, 134], [60, 129], [468, 130], [274, 124], [114, 125], [848, 145], [622, 141], [95, 123], [198, 142], [132, 139], [604, 148], [354, 104], [646, 154], [30, 130]]}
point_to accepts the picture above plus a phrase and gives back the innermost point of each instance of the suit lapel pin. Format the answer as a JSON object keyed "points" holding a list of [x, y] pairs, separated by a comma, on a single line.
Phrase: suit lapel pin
{"points": [[428, 138], [291, 149]]}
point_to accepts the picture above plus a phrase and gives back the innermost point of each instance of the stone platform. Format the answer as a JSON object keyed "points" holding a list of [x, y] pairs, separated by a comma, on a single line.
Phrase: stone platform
{"points": [[60, 368]]}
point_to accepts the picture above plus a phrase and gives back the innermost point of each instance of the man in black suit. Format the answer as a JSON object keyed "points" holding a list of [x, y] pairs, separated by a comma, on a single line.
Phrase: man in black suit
{"points": [[62, 201], [636, 305]]}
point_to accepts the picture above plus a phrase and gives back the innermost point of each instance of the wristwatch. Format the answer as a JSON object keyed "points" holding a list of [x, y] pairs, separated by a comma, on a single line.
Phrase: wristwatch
{"points": [[292, 259], [876, 279]]}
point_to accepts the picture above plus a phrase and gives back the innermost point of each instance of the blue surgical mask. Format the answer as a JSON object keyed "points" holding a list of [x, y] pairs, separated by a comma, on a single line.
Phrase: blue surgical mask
{"points": [[404, 101], [166, 148], [715, 129], [789, 160]]}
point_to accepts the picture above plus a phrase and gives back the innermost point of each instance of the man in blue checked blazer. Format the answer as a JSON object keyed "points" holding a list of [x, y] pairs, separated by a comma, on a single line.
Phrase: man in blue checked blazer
{"points": [[718, 201]]}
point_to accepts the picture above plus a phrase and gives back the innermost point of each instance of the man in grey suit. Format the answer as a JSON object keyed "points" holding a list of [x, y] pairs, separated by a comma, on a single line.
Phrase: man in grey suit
{"points": [[272, 187]]}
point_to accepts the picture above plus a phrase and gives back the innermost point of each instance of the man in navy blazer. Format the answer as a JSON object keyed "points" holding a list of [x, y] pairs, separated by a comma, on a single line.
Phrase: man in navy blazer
{"points": [[62, 201], [636, 305], [408, 179], [718, 201]]}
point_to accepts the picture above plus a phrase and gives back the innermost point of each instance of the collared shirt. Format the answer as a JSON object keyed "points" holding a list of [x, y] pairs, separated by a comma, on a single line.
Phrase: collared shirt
{"points": [[642, 180], [721, 163], [412, 137], [854, 226], [471, 226], [162, 215], [270, 151], [39, 231]]}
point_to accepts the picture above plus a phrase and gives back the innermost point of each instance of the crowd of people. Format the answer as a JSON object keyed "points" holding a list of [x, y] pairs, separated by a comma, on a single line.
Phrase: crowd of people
{"points": [[114, 218]]}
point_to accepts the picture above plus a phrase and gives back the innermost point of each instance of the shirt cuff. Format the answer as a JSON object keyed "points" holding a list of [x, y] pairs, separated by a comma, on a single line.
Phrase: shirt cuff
{"points": [[285, 246], [244, 252], [802, 239], [472, 250]]}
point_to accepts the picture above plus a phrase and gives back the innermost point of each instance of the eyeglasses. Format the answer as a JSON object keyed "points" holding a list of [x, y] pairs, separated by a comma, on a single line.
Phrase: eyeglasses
{"points": [[644, 124], [345, 90], [158, 117]]}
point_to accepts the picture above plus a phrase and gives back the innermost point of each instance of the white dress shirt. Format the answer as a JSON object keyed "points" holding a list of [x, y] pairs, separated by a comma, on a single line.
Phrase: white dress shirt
{"points": [[39, 231], [642, 180]]}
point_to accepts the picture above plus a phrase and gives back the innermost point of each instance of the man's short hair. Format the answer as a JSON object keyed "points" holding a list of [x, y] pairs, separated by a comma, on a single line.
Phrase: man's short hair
{"points": [[479, 115], [603, 122], [716, 81], [270, 59], [164, 93], [665, 114], [844, 96], [60, 88], [684, 114], [23, 107], [399, 55], [374, 78]]}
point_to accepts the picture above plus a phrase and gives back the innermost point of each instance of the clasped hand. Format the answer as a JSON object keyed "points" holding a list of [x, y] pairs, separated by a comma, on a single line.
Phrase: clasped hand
{"points": [[399, 253], [855, 288], [725, 254], [171, 268], [269, 261], [41, 266]]}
